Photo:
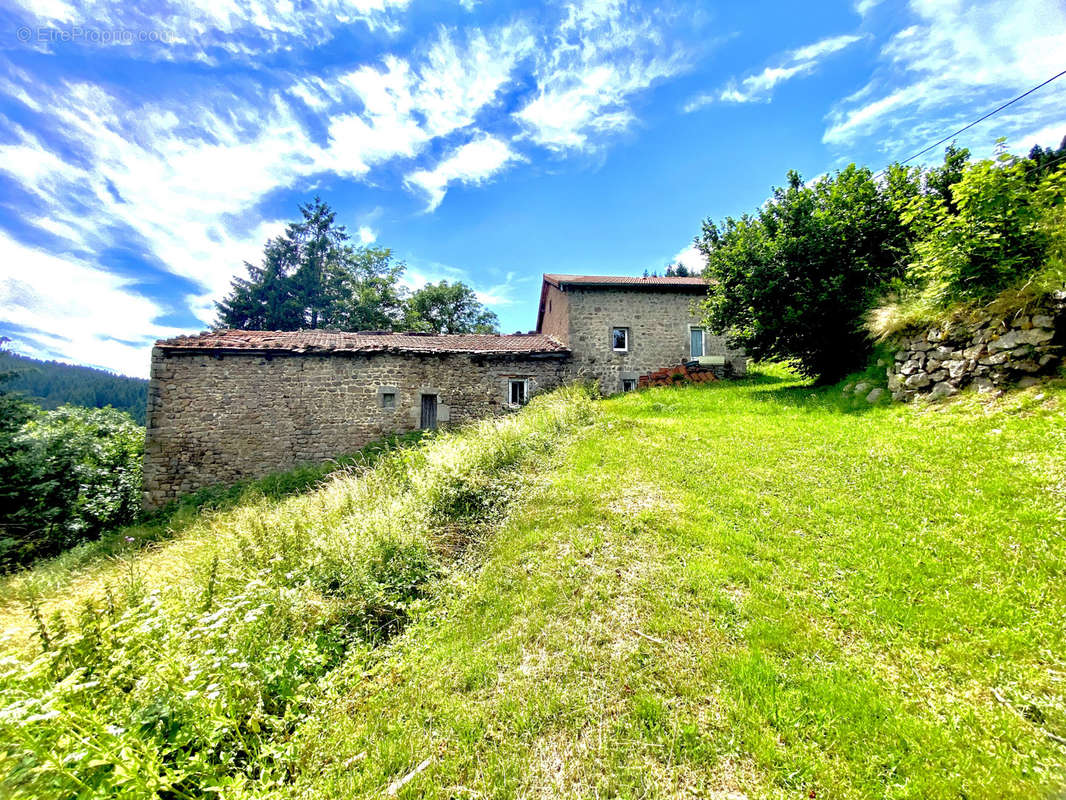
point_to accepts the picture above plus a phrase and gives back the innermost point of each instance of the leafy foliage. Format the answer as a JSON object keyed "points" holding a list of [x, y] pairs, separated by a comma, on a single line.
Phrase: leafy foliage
{"points": [[1044, 158], [15, 463], [990, 234], [794, 280], [69, 475], [449, 308], [50, 384], [313, 277], [985, 233]]}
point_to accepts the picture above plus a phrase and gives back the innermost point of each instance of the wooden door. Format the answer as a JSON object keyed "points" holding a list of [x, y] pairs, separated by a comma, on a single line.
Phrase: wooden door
{"points": [[429, 411]]}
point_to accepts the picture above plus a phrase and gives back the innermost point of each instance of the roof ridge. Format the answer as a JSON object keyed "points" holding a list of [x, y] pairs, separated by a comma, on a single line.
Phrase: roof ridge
{"points": [[327, 341]]}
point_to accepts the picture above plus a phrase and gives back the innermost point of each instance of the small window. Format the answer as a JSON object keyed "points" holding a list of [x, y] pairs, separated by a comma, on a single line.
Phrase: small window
{"points": [[620, 339], [388, 400], [628, 384], [696, 342], [517, 392]]}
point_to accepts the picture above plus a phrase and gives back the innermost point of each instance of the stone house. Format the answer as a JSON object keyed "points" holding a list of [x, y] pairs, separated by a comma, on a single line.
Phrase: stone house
{"points": [[227, 405]]}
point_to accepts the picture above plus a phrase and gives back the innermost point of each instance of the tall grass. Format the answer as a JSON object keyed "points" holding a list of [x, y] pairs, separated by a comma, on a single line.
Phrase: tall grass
{"points": [[188, 675]]}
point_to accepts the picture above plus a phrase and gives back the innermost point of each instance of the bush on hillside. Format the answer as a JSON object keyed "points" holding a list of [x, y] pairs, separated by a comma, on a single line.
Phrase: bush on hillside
{"points": [[995, 233], [794, 280], [70, 474], [994, 236]]}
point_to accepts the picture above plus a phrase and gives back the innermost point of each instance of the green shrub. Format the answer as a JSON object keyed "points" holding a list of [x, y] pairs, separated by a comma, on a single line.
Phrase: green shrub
{"points": [[80, 475], [994, 237], [997, 235], [794, 281]]}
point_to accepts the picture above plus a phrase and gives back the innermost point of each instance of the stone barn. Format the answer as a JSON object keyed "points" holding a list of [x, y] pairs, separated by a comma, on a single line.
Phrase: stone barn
{"points": [[227, 405]]}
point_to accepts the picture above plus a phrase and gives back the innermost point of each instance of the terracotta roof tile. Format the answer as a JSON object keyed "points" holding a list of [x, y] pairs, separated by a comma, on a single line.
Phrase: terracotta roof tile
{"points": [[318, 341]]}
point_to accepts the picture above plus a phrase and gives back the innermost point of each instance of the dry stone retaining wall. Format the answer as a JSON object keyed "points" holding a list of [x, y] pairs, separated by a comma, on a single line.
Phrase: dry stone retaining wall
{"points": [[989, 352]]}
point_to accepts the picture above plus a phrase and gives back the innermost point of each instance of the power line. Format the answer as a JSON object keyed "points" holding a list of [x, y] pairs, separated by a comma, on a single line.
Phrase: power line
{"points": [[986, 116], [1045, 165]]}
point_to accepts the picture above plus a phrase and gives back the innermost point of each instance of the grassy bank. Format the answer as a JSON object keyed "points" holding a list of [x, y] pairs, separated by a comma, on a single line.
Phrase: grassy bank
{"points": [[183, 669], [746, 590], [741, 590], [52, 582]]}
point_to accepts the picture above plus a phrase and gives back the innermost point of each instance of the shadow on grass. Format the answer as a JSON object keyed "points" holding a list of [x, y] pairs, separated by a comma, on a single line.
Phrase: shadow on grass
{"points": [[777, 383], [817, 398]]}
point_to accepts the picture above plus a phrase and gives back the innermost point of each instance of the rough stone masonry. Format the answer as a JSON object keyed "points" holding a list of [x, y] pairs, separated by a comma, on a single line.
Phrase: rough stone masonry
{"points": [[229, 405], [988, 351]]}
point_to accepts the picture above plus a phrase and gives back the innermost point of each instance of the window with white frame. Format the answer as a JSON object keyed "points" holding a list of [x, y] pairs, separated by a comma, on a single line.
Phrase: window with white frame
{"points": [[620, 339], [629, 384], [696, 344], [516, 391]]}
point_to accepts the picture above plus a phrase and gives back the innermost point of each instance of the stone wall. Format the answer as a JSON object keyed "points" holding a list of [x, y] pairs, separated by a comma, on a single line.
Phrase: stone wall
{"points": [[658, 323], [556, 319], [990, 352], [223, 417]]}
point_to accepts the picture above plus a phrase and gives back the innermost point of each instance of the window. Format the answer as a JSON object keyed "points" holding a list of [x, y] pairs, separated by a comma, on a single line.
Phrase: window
{"points": [[695, 342], [388, 400], [517, 392], [620, 339], [629, 384]]}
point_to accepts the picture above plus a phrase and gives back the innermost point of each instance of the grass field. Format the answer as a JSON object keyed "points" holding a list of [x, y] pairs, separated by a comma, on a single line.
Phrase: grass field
{"points": [[738, 590]]}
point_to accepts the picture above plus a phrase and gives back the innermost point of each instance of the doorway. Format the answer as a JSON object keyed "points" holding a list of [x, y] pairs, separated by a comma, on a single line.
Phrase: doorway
{"points": [[429, 412]]}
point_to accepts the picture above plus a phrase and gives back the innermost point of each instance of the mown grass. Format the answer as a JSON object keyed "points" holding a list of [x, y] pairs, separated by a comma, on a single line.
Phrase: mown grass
{"points": [[183, 669], [755, 589]]}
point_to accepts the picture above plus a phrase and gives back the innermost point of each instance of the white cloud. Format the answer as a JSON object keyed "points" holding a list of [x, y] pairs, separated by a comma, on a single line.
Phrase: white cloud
{"points": [[692, 259], [89, 315], [958, 61], [599, 59], [759, 86], [172, 189], [864, 7], [1049, 136], [402, 107], [473, 163], [176, 173], [178, 176]]}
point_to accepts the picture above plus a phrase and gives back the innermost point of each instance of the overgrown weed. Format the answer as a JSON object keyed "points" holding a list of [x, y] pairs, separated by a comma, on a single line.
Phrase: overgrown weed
{"points": [[189, 672]]}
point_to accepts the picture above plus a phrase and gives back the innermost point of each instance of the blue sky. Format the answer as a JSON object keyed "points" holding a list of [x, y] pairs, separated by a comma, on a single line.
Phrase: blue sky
{"points": [[148, 149]]}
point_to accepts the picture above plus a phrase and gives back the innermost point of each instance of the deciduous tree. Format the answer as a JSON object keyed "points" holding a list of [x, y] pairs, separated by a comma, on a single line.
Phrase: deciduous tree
{"points": [[793, 280], [449, 308]]}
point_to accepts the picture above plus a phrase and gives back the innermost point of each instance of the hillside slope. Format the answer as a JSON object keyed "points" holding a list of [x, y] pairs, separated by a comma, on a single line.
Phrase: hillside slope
{"points": [[750, 590], [741, 590], [51, 384]]}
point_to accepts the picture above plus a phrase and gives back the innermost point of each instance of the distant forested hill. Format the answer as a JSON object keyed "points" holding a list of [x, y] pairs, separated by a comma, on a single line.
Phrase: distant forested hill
{"points": [[51, 384]]}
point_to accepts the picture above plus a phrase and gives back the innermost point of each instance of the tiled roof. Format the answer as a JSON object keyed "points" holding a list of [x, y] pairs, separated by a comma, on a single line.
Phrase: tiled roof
{"points": [[318, 341], [626, 280]]}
